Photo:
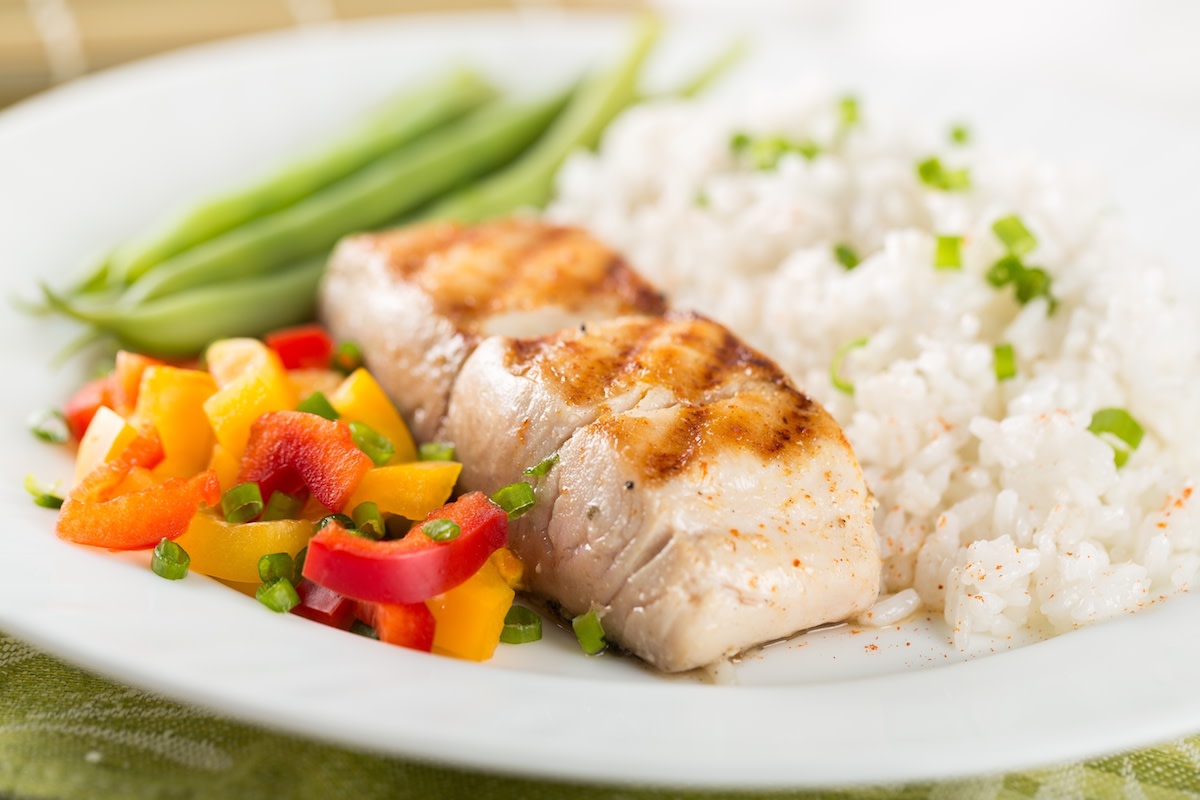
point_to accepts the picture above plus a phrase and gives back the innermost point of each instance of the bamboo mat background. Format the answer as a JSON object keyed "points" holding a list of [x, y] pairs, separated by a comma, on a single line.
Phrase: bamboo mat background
{"points": [[46, 42]]}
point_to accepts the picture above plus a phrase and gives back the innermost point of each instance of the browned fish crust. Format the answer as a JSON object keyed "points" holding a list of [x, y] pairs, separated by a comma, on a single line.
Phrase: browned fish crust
{"points": [[471, 273]]}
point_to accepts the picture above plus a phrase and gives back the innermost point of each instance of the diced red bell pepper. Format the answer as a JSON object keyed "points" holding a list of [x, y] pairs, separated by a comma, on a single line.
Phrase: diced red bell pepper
{"points": [[324, 605], [406, 624], [302, 347], [94, 514], [412, 569], [82, 405], [292, 450]]}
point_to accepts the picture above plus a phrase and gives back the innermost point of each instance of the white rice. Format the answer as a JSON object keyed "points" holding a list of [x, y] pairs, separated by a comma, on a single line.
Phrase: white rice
{"points": [[997, 505]]}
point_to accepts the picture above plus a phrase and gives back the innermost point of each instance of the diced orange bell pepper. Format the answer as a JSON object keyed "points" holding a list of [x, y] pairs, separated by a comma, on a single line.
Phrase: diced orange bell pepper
{"points": [[95, 514], [471, 615], [250, 381], [360, 398], [231, 551], [127, 379], [412, 490], [171, 400], [117, 390], [290, 450]]}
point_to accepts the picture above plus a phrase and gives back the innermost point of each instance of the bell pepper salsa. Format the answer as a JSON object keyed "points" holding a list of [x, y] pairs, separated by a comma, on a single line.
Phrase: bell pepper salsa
{"points": [[161, 445]]}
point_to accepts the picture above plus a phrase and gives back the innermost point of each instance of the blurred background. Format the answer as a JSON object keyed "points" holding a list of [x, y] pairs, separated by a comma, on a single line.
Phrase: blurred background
{"points": [[46, 42]]}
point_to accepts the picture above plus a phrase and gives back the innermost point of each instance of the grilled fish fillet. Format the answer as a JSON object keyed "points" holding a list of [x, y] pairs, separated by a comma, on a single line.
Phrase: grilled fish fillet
{"points": [[699, 502], [418, 299]]}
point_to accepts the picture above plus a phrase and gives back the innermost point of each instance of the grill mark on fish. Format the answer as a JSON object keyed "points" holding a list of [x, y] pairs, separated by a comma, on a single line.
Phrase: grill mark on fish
{"points": [[713, 410]]}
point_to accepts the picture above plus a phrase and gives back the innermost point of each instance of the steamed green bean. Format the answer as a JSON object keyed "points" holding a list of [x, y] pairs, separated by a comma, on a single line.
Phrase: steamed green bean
{"points": [[410, 116], [183, 324], [391, 186], [529, 182]]}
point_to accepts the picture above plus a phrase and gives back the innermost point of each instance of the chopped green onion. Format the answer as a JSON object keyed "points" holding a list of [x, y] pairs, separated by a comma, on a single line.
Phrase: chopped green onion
{"points": [[521, 625], [368, 521], [516, 498], [1004, 361], [960, 134], [764, 152], [835, 369], [281, 505], [340, 519], [169, 560], [808, 149], [1117, 427], [1028, 282], [436, 451], [848, 111], [346, 358], [49, 425], [948, 254], [543, 467], [589, 632], [317, 403], [846, 256], [274, 566], [1004, 271], [46, 498], [377, 446], [298, 571], [242, 503], [363, 629], [1015, 237], [935, 176], [1032, 282], [280, 595], [441, 529]]}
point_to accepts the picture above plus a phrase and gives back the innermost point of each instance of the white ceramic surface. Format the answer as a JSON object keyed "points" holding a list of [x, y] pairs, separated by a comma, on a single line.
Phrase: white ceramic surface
{"points": [[84, 166]]}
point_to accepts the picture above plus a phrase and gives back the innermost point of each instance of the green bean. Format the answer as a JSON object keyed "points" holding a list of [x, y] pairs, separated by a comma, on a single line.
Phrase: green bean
{"points": [[480, 143], [529, 182], [183, 324], [413, 114]]}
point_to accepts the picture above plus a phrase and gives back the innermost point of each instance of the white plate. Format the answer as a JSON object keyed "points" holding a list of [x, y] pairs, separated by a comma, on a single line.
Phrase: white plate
{"points": [[85, 166]]}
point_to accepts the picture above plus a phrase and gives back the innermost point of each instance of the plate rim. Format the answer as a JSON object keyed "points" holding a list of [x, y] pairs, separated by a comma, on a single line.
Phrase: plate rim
{"points": [[901, 764]]}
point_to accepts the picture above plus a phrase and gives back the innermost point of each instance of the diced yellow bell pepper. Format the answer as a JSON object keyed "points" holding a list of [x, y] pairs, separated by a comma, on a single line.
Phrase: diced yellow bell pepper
{"points": [[226, 467], [230, 360], [250, 382], [171, 400], [511, 568], [231, 551], [471, 615], [106, 436], [360, 398], [411, 490]]}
